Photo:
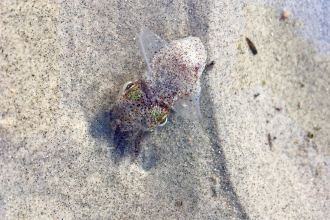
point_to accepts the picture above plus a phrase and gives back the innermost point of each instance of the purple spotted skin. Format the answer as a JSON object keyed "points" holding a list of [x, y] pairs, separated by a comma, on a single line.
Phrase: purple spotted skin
{"points": [[173, 81]]}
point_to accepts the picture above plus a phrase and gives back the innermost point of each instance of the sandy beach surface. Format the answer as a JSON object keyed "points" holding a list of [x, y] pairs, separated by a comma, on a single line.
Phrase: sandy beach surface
{"points": [[260, 151]]}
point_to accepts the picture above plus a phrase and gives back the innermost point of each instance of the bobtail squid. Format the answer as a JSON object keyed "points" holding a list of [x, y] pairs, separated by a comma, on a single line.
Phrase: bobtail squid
{"points": [[172, 81]]}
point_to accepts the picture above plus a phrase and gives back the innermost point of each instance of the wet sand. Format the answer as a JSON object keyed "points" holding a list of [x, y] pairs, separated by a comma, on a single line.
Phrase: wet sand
{"points": [[62, 66]]}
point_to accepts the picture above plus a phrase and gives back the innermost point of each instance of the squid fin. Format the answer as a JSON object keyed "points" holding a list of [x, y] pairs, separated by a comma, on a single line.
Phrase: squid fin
{"points": [[150, 44]]}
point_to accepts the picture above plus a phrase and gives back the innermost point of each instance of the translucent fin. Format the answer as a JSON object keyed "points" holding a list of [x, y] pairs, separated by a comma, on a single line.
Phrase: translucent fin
{"points": [[150, 44], [188, 107]]}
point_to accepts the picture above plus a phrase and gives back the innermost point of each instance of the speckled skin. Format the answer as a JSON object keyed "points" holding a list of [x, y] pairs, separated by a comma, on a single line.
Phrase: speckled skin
{"points": [[177, 69], [145, 103]]}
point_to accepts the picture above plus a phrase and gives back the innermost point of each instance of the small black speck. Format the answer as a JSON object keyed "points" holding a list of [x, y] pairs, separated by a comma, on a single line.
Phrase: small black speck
{"points": [[210, 65], [252, 47], [270, 141], [256, 95], [310, 134], [213, 192], [178, 203]]}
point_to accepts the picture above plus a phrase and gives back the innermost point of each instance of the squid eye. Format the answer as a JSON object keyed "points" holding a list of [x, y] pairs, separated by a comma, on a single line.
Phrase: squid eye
{"points": [[127, 85], [159, 113], [134, 91], [163, 122]]}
